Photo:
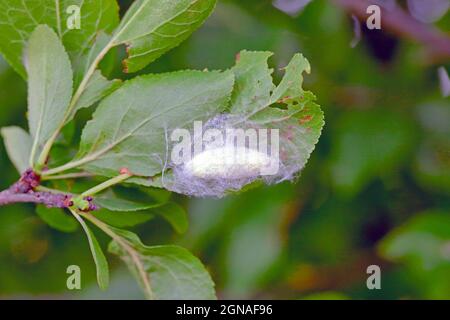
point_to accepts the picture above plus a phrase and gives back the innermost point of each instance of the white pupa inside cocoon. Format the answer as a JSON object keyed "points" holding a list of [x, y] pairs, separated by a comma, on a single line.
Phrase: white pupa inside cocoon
{"points": [[228, 162], [220, 168]]}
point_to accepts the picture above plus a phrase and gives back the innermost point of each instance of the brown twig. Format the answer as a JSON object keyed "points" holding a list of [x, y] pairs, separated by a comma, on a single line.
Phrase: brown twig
{"points": [[24, 190], [49, 199]]}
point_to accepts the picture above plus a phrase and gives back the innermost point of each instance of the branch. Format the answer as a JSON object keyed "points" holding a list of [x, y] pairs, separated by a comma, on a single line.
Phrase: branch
{"points": [[434, 41], [51, 200], [402, 24], [27, 189]]}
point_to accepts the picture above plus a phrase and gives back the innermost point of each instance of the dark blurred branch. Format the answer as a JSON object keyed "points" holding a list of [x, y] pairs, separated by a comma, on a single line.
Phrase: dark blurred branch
{"points": [[397, 21]]}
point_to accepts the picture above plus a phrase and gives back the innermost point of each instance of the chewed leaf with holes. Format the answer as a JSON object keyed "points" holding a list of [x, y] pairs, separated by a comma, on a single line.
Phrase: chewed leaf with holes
{"points": [[19, 18], [129, 127], [150, 28], [284, 116], [255, 95], [301, 120], [253, 82]]}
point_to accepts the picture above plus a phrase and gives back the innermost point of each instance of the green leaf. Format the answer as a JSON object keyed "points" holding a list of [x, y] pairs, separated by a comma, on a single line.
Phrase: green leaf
{"points": [[128, 128], [49, 85], [271, 115], [101, 263], [116, 204], [57, 219], [290, 86], [253, 82], [175, 215], [305, 129], [96, 16], [289, 93], [123, 213], [84, 61], [98, 86], [18, 146], [150, 28], [421, 242], [174, 273], [256, 97], [142, 194], [19, 19], [124, 219]]}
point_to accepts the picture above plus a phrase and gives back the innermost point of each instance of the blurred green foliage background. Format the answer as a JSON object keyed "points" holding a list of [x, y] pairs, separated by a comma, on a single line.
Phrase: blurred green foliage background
{"points": [[375, 191]]}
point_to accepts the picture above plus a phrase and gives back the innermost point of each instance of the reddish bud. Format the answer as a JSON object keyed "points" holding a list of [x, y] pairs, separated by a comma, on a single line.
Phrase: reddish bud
{"points": [[124, 171]]}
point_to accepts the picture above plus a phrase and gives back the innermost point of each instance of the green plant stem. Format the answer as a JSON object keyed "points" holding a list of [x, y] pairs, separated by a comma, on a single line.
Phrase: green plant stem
{"points": [[68, 166], [134, 255], [68, 176], [48, 145], [58, 18], [105, 185]]}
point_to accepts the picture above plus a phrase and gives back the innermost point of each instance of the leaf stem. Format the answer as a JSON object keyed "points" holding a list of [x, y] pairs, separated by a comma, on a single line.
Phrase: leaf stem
{"points": [[68, 176], [106, 184], [58, 19], [134, 255], [65, 167]]}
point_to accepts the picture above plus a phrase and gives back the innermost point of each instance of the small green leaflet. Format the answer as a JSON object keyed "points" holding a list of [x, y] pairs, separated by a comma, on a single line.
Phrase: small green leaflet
{"points": [[151, 28], [174, 273], [18, 146], [129, 127], [49, 85], [101, 263]]}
